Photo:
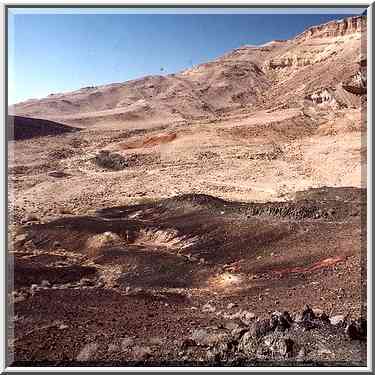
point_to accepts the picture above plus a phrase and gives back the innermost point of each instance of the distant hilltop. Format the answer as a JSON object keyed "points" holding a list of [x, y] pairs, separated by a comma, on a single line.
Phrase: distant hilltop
{"points": [[288, 73]]}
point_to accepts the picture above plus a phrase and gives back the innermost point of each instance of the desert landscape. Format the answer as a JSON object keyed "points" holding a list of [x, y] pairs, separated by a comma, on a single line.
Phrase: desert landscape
{"points": [[212, 217]]}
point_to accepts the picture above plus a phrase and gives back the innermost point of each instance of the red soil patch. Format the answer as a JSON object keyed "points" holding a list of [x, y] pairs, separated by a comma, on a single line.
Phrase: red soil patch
{"points": [[150, 141], [316, 266]]}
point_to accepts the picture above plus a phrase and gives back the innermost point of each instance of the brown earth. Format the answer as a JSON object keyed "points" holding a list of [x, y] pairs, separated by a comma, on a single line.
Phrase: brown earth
{"points": [[236, 187], [176, 255]]}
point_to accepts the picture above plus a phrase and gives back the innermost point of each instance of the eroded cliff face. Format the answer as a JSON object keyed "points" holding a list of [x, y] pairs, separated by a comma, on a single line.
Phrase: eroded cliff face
{"points": [[301, 59], [323, 96], [357, 84], [343, 27], [337, 32], [325, 66]]}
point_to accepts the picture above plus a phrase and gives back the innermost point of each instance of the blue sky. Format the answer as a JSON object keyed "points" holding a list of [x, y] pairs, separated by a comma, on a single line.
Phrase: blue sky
{"points": [[50, 53]]}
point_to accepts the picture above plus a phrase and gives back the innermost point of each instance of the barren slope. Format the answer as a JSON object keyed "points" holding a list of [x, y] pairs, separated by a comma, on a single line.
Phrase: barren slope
{"points": [[279, 73]]}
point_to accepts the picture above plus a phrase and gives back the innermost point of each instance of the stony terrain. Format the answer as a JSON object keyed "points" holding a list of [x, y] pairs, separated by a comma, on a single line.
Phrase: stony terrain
{"points": [[189, 219]]}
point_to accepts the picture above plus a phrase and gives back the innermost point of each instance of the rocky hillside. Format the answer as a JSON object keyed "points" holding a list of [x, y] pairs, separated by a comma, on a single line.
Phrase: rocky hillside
{"points": [[323, 66]]}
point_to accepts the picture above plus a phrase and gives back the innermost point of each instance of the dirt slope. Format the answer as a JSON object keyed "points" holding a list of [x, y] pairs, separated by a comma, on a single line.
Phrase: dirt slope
{"points": [[317, 64]]}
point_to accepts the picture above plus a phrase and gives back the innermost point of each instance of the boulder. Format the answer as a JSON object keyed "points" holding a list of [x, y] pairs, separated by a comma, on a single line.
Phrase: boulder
{"points": [[337, 319], [208, 308]]}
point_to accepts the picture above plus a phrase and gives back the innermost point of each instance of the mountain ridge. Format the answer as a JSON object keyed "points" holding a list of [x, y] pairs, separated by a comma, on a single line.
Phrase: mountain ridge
{"points": [[246, 78]]}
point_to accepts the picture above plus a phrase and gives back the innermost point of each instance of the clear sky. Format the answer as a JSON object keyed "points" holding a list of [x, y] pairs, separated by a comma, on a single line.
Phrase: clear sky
{"points": [[50, 53]]}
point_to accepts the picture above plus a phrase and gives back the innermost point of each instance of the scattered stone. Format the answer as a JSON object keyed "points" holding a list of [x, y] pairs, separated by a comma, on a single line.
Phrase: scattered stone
{"points": [[248, 344], [285, 347], [237, 333], [283, 323], [307, 325], [208, 308], [230, 326], [260, 328], [31, 217], [218, 352], [337, 319], [14, 293], [287, 317], [87, 282], [157, 341], [110, 161], [203, 337], [45, 284], [324, 351], [324, 318], [236, 315], [187, 343], [17, 318], [30, 246], [19, 297], [34, 288], [308, 313], [141, 353], [101, 284], [56, 244], [247, 317], [280, 321], [276, 314], [126, 343], [317, 312], [301, 356], [199, 336], [20, 239], [65, 211], [113, 348], [298, 317], [87, 352]]}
